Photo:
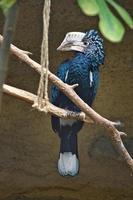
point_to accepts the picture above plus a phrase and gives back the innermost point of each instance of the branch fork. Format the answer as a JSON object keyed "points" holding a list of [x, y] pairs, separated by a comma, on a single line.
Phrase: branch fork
{"points": [[73, 86]]}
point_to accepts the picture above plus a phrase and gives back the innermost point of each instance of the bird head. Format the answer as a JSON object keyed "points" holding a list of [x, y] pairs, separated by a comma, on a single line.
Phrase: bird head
{"points": [[89, 43]]}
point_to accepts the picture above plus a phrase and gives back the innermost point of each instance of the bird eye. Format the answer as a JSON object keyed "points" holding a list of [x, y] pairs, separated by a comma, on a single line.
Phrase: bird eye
{"points": [[85, 43]]}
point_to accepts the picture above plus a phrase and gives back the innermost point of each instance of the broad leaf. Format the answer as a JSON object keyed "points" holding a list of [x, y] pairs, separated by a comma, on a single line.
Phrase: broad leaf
{"points": [[122, 12], [89, 7], [109, 25]]}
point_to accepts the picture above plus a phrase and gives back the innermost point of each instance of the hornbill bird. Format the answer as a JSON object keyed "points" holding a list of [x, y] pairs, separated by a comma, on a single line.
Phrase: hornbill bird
{"points": [[82, 69]]}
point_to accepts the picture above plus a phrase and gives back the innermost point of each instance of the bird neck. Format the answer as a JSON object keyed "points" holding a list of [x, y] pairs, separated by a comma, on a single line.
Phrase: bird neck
{"points": [[88, 59]]}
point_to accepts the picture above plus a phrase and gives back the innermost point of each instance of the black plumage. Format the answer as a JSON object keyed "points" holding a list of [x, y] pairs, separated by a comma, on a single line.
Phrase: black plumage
{"points": [[83, 69]]}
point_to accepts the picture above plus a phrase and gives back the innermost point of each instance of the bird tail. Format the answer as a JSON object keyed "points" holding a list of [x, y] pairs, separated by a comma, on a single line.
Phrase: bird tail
{"points": [[68, 163]]}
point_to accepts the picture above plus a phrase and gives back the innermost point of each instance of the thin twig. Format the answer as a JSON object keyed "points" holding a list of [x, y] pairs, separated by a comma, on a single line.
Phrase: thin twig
{"points": [[70, 93]]}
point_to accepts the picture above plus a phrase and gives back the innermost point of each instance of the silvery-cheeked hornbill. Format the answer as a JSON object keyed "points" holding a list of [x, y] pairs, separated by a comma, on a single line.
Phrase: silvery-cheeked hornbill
{"points": [[82, 69]]}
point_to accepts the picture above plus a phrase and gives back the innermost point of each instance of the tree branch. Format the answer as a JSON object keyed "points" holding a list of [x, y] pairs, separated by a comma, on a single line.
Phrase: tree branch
{"points": [[53, 110], [70, 93]]}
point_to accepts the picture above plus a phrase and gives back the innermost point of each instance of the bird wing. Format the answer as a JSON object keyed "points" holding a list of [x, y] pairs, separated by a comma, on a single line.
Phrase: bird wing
{"points": [[62, 74]]}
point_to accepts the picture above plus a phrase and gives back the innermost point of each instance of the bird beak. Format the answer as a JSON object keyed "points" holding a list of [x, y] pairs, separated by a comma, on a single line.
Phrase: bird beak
{"points": [[72, 42]]}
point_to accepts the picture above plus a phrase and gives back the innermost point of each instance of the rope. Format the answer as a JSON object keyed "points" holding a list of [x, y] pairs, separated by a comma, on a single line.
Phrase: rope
{"points": [[42, 92]]}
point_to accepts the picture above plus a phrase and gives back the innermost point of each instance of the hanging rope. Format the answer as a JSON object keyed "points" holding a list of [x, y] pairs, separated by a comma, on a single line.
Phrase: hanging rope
{"points": [[43, 84]]}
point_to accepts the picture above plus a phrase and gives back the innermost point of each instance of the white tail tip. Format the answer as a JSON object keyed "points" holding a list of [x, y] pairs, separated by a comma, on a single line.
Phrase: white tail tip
{"points": [[68, 164]]}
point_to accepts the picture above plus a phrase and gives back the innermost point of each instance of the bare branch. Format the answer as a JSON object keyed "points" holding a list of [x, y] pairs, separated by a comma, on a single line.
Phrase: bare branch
{"points": [[89, 112], [30, 98]]}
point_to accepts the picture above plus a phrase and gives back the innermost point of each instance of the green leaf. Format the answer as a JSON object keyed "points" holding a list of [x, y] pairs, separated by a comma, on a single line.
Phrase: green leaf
{"points": [[122, 12], [6, 4], [89, 7], [109, 25]]}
